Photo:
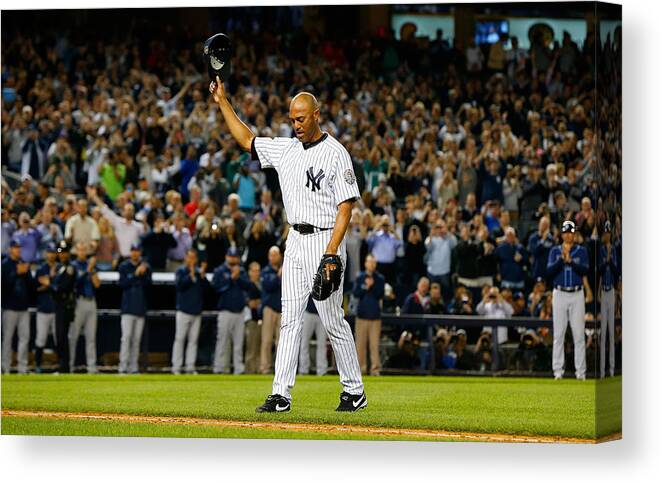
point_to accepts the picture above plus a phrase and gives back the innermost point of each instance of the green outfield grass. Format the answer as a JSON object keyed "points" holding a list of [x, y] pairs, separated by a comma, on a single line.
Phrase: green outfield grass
{"points": [[517, 406]]}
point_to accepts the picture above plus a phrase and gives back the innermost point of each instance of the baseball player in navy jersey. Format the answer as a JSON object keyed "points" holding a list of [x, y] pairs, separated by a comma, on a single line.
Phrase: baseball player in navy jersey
{"points": [[608, 271], [567, 265], [45, 303], [134, 280], [318, 189]]}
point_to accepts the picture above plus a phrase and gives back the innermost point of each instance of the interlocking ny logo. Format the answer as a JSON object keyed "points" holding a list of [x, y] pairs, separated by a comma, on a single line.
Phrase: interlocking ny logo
{"points": [[314, 179]]}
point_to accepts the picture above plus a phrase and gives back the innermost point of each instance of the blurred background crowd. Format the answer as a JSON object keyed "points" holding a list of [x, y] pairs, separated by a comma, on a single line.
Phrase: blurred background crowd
{"points": [[469, 157]]}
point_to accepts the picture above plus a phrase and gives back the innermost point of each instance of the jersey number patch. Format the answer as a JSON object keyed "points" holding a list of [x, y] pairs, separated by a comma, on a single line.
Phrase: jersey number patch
{"points": [[314, 181]]}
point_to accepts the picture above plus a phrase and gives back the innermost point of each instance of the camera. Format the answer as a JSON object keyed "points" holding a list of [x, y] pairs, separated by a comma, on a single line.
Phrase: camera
{"points": [[484, 343]]}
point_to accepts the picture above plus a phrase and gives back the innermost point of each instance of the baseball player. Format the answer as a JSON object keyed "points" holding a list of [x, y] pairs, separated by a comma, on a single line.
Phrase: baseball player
{"points": [[189, 283], [271, 278], [65, 303], [567, 265], [16, 285], [87, 282], [134, 280], [312, 325], [318, 189], [230, 282], [608, 270], [253, 320], [45, 303]]}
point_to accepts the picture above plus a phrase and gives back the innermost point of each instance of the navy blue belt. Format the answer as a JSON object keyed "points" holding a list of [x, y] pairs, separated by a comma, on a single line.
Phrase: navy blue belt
{"points": [[607, 288], [576, 288], [306, 229]]}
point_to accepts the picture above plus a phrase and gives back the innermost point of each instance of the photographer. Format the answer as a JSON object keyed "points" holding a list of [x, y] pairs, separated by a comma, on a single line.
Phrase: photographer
{"points": [[439, 256], [406, 356], [383, 244], [457, 356], [157, 242], [414, 253], [488, 261], [210, 243], [467, 258], [532, 354], [462, 303], [495, 307], [483, 352]]}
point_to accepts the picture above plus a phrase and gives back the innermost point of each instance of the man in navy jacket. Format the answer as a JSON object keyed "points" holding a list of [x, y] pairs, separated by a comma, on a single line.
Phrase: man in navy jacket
{"points": [[134, 279], [568, 264], [512, 260], [16, 285], [368, 289], [190, 280], [230, 281], [417, 302]]}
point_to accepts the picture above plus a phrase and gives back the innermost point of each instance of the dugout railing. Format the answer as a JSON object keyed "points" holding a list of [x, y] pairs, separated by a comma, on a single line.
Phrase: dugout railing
{"points": [[160, 323]]}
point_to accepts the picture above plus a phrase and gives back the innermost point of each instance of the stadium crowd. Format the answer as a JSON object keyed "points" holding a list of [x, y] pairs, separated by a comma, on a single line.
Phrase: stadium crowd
{"points": [[469, 159]]}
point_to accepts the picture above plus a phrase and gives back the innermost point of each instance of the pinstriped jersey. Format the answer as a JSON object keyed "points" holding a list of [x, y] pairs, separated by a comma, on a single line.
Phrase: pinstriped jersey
{"points": [[314, 177]]}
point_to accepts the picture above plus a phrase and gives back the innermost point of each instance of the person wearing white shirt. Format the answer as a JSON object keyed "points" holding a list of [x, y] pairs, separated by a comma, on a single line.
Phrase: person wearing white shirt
{"points": [[127, 230], [439, 257], [495, 307], [212, 158]]}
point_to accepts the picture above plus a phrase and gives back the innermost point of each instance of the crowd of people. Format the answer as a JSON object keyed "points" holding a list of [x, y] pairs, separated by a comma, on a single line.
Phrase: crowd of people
{"points": [[468, 158]]}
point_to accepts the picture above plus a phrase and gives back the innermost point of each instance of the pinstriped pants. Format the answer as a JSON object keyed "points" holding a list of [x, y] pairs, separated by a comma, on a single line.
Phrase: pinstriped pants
{"points": [[302, 258]]}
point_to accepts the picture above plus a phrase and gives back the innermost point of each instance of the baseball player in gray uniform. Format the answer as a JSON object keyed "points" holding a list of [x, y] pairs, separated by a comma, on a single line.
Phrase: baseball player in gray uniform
{"points": [[609, 273], [85, 319], [567, 265], [312, 324], [318, 190]]}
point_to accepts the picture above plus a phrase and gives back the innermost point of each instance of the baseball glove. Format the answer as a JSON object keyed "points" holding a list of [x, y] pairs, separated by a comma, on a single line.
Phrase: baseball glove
{"points": [[328, 277]]}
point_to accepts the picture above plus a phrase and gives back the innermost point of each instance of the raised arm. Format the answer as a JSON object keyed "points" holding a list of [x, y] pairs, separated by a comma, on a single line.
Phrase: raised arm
{"points": [[237, 127]]}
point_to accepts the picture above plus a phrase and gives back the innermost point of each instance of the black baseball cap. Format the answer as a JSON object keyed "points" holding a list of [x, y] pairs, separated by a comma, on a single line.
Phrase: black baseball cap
{"points": [[568, 226], [51, 248], [14, 243], [136, 247], [218, 54]]}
